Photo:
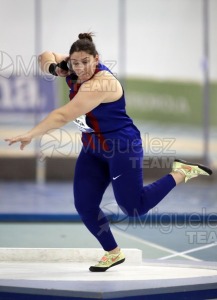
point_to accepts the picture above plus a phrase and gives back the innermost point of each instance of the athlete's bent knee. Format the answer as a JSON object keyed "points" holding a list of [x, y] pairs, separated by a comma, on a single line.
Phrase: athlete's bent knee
{"points": [[86, 211]]}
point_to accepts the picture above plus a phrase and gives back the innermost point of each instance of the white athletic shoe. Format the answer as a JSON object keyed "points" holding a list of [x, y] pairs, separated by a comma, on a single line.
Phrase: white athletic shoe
{"points": [[190, 170]]}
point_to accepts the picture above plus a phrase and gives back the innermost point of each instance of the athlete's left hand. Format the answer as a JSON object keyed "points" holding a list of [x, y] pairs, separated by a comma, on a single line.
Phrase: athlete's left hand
{"points": [[24, 139]]}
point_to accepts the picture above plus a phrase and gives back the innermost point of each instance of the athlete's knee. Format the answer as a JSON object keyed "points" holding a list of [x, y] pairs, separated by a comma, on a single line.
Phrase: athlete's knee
{"points": [[85, 210], [79, 205], [81, 208]]}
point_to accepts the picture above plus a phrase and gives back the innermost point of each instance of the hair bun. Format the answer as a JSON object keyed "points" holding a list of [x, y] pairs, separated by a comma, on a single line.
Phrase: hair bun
{"points": [[87, 36]]}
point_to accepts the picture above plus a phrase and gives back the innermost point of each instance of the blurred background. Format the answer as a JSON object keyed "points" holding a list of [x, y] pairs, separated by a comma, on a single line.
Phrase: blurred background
{"points": [[164, 53]]}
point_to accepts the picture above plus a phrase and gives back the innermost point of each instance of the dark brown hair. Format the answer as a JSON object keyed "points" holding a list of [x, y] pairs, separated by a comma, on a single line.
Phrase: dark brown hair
{"points": [[84, 43]]}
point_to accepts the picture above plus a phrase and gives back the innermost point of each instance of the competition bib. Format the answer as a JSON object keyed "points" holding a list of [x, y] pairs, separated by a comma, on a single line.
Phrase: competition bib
{"points": [[82, 125]]}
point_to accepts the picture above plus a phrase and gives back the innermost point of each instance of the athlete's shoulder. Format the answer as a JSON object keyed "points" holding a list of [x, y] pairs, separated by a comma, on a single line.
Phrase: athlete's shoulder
{"points": [[102, 72], [102, 67]]}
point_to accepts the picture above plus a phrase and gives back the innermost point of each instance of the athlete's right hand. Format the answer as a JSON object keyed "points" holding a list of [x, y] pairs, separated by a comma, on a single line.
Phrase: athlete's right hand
{"points": [[62, 73], [59, 69], [62, 69], [24, 139]]}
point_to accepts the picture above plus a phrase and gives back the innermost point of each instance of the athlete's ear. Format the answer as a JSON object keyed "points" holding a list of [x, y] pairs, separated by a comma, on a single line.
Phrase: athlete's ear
{"points": [[97, 58]]}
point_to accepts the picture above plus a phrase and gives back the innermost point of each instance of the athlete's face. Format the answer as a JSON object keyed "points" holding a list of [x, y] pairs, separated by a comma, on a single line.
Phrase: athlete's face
{"points": [[83, 64]]}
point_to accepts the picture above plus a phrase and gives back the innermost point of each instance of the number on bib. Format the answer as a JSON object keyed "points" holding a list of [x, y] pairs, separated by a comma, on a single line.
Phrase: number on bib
{"points": [[82, 124]]}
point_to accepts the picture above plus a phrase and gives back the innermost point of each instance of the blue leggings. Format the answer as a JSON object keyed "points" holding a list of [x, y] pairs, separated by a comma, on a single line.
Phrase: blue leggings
{"points": [[93, 173]]}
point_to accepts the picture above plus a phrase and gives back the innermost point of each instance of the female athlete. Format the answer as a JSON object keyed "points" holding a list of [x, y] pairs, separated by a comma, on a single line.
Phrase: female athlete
{"points": [[112, 148]]}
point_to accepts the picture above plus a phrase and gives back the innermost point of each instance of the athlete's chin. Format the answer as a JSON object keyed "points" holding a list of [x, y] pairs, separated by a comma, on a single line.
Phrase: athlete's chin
{"points": [[84, 77]]}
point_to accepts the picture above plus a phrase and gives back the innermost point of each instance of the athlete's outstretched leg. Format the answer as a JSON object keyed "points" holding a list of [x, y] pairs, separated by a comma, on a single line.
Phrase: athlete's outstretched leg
{"points": [[132, 197], [127, 180], [91, 180]]}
